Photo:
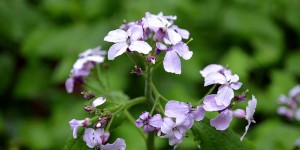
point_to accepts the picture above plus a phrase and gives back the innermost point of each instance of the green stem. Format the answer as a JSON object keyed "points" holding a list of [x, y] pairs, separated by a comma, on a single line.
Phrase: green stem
{"points": [[149, 101], [131, 119], [157, 94]]}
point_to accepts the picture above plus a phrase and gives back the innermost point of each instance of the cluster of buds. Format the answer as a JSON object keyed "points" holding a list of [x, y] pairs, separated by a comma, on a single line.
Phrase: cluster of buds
{"points": [[96, 137]]}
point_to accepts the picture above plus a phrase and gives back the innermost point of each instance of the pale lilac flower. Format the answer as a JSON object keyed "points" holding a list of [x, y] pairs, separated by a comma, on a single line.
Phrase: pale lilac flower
{"points": [[290, 110], [76, 124], [172, 61], [150, 123], [210, 104], [184, 113], [98, 138], [250, 109], [81, 68], [162, 28], [127, 40], [182, 32], [228, 83], [173, 131]]}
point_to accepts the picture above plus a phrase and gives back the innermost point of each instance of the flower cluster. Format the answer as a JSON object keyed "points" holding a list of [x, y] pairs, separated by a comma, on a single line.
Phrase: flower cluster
{"points": [[179, 117], [81, 68], [291, 110], [222, 101], [133, 37], [96, 137]]}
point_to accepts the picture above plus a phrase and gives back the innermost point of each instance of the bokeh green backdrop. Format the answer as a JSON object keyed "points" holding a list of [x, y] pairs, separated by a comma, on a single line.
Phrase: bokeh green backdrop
{"points": [[40, 40]]}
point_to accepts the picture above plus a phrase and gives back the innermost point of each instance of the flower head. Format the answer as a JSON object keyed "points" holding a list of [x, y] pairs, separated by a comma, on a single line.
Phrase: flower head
{"points": [[98, 138], [150, 123], [81, 68], [130, 39]]}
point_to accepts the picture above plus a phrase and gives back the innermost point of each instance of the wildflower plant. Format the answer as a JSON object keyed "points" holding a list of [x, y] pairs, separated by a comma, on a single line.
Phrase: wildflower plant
{"points": [[156, 40]]}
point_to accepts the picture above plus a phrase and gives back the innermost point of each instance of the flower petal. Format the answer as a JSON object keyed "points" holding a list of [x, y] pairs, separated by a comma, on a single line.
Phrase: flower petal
{"points": [[250, 109], [210, 103], [116, 36], [222, 121], [140, 46], [119, 144], [117, 50], [199, 113], [224, 95], [98, 101], [214, 78], [156, 121], [88, 137], [183, 50], [69, 85], [211, 69], [175, 108], [173, 37], [172, 62]]}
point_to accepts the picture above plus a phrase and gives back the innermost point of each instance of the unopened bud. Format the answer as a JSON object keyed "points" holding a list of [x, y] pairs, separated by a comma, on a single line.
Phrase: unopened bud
{"points": [[137, 70], [87, 94], [151, 59]]}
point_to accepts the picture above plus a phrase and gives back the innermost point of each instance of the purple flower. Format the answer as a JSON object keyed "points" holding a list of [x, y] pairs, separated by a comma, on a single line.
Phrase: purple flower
{"points": [[290, 110], [215, 74], [150, 123], [172, 61], [173, 131], [75, 124], [163, 28], [250, 109], [184, 113], [127, 40], [97, 138], [81, 68], [151, 59]]}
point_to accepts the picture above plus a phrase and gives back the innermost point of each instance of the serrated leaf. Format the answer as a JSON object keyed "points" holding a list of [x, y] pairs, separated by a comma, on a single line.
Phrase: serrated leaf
{"points": [[210, 138], [76, 143]]}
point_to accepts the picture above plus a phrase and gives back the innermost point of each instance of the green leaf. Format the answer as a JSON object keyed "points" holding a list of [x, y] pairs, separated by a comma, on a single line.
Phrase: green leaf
{"points": [[76, 143], [210, 138]]}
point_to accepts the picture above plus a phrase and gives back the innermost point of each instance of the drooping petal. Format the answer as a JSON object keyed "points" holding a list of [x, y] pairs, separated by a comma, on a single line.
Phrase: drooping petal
{"points": [[119, 144], [140, 46], [172, 37], [98, 101], [246, 130], [172, 62], [224, 96], [69, 85], [183, 50], [116, 36], [222, 121], [175, 108], [250, 109], [211, 69], [210, 103], [214, 78], [117, 50], [156, 121], [199, 113]]}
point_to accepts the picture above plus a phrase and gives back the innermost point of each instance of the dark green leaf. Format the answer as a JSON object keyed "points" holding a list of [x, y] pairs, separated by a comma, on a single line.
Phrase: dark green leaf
{"points": [[210, 138]]}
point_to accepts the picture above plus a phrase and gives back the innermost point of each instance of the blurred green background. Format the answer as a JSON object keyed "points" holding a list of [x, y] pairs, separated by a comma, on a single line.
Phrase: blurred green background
{"points": [[40, 41]]}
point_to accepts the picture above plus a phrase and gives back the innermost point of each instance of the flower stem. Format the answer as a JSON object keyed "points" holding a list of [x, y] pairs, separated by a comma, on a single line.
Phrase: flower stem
{"points": [[209, 92], [149, 101]]}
